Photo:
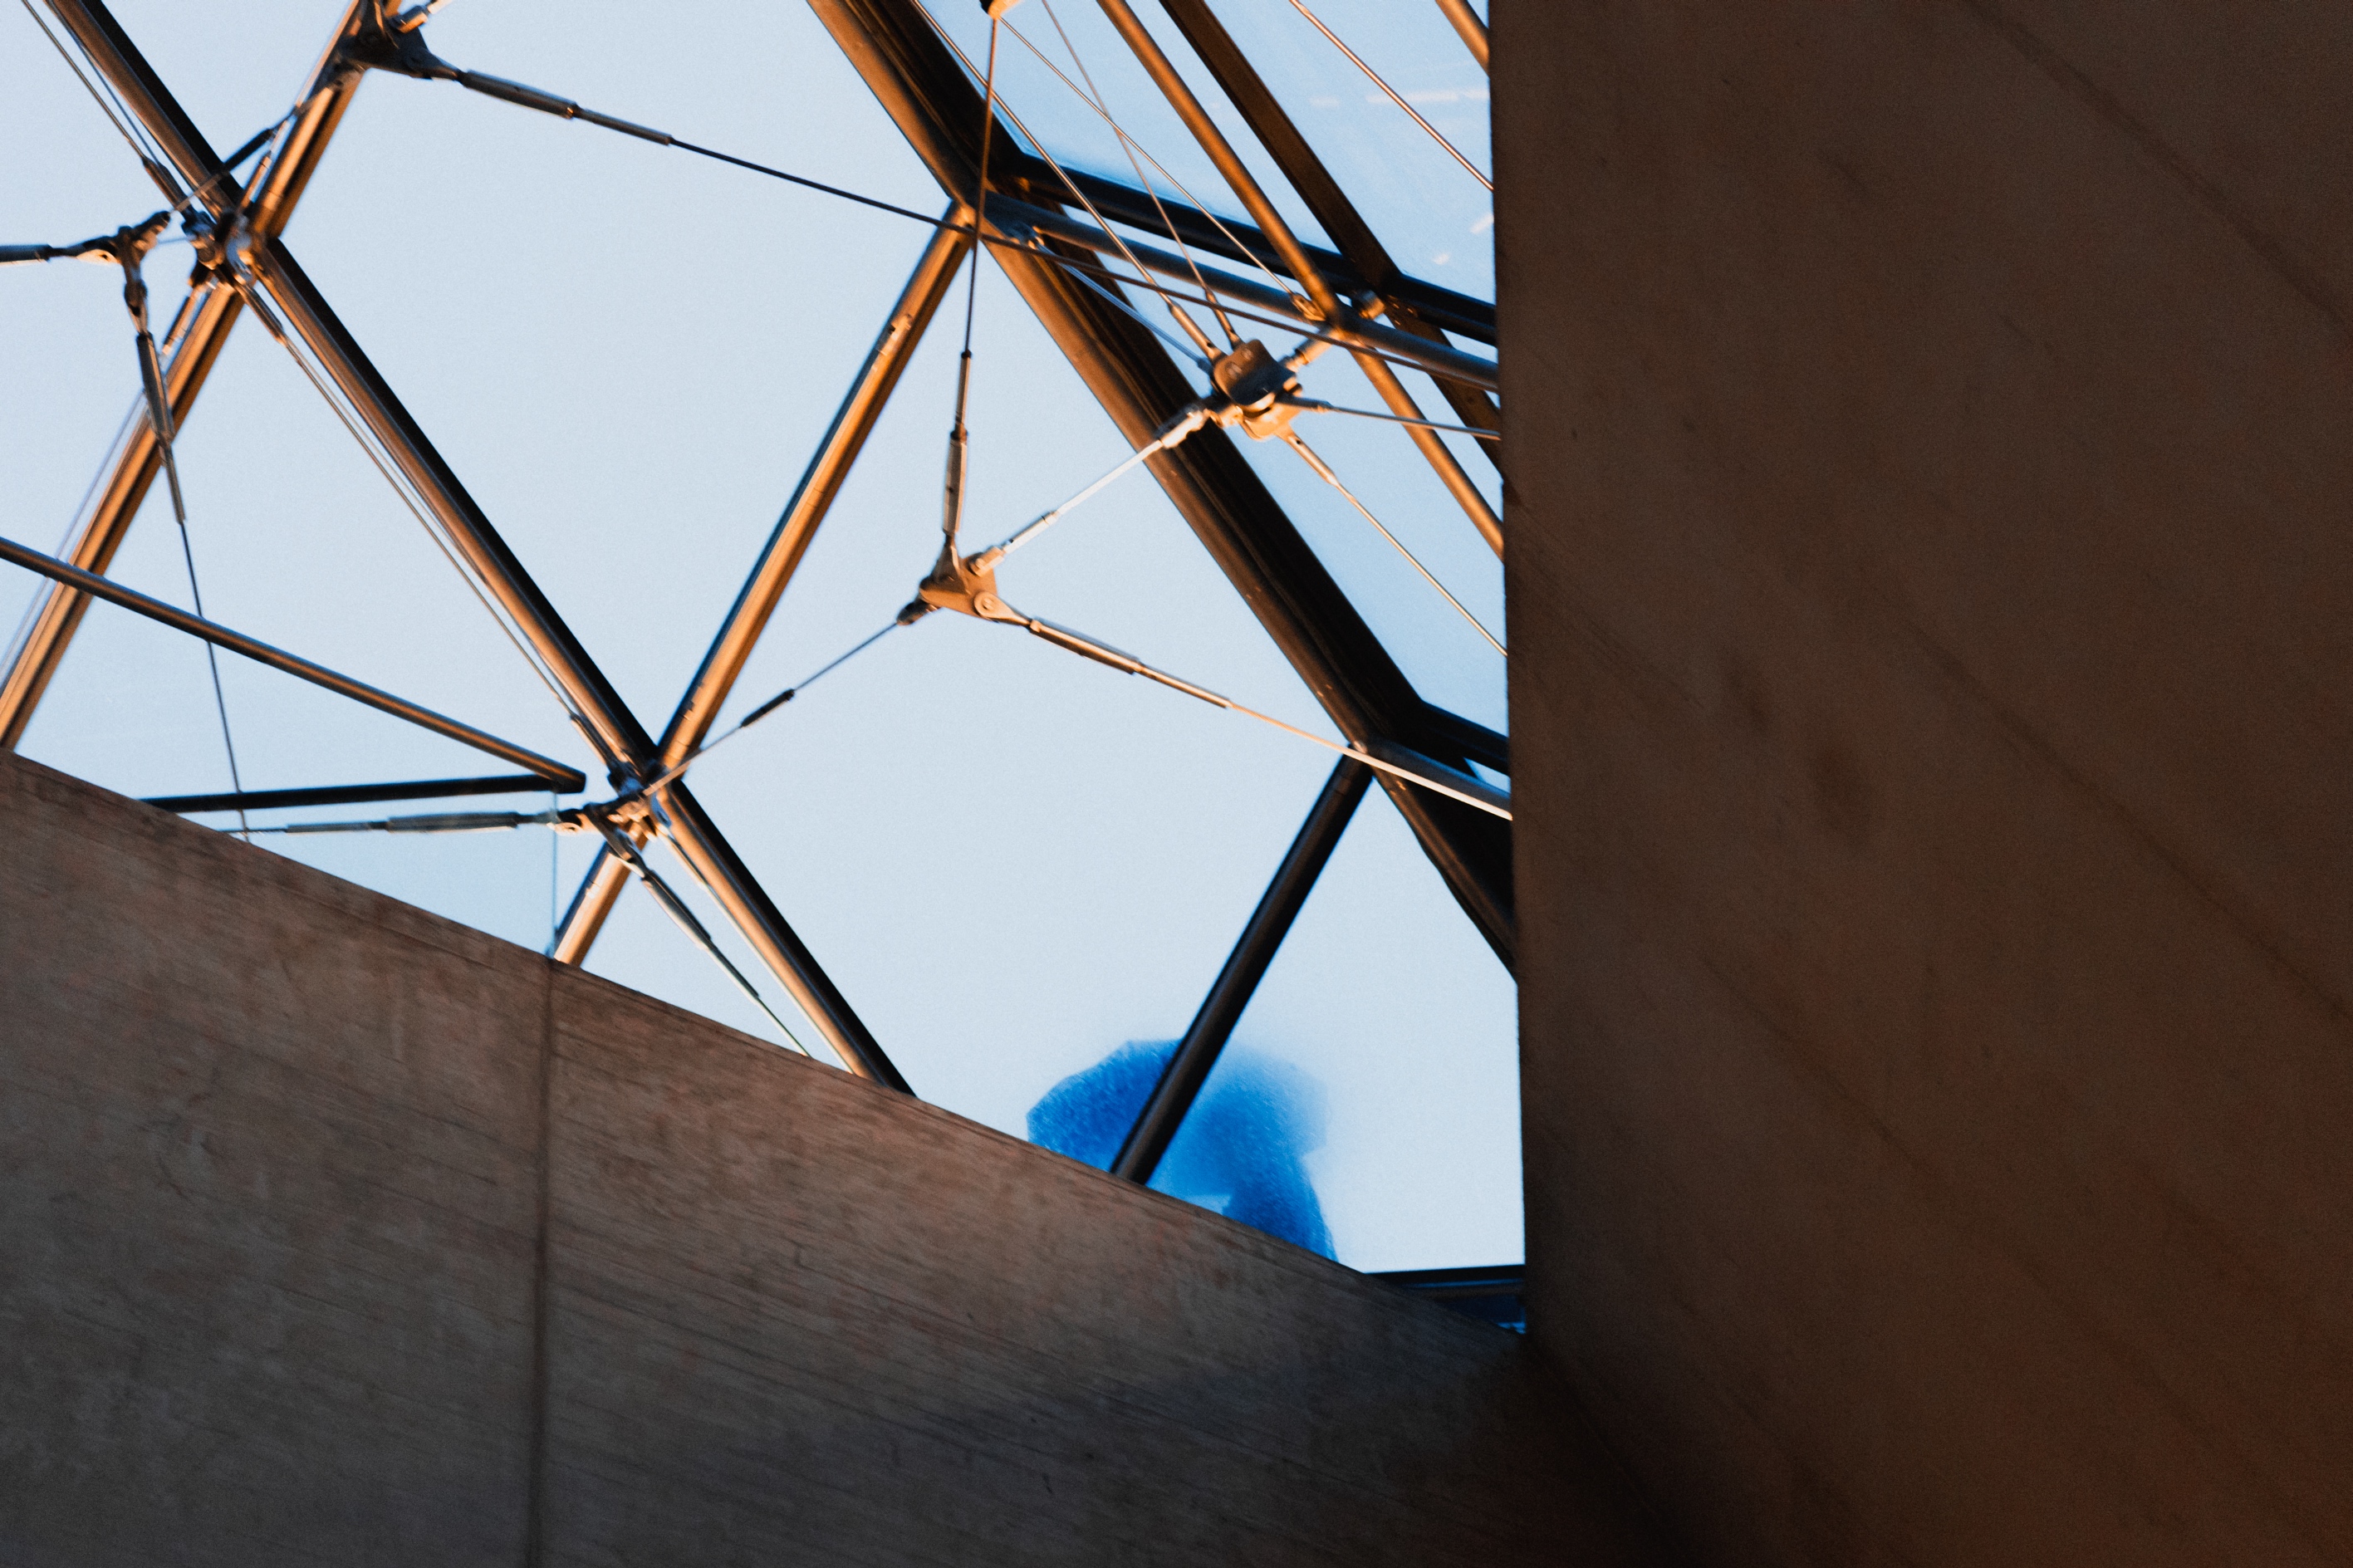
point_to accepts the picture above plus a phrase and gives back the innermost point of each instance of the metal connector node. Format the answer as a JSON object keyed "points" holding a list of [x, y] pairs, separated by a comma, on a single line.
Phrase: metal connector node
{"points": [[965, 586], [1255, 384]]}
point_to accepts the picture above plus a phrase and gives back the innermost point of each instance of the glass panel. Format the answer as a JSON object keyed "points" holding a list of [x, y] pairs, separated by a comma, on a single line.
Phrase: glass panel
{"points": [[1368, 1106], [1088, 52], [1437, 221], [1440, 651], [1434, 218], [1006, 854], [1009, 858], [1387, 999]]}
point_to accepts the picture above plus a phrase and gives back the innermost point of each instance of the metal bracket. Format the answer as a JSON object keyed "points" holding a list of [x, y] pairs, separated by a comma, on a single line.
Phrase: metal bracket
{"points": [[1257, 387], [966, 587], [392, 42]]}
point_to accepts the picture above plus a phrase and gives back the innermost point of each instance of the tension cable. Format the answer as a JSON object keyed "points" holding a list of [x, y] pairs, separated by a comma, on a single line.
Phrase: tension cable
{"points": [[770, 706], [407, 55], [1394, 96], [127, 248], [1128, 146], [959, 443], [621, 843], [1324, 471]]}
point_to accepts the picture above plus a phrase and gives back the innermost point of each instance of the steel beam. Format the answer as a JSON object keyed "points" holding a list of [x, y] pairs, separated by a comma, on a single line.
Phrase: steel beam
{"points": [[600, 707], [1428, 352], [89, 583], [1238, 179], [787, 543], [1189, 1064], [1213, 488], [354, 794], [213, 311], [629, 750], [1466, 22], [1330, 204], [1237, 241]]}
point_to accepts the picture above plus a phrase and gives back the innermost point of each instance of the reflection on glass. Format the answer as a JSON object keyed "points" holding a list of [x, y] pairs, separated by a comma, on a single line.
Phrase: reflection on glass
{"points": [[1239, 1153]]}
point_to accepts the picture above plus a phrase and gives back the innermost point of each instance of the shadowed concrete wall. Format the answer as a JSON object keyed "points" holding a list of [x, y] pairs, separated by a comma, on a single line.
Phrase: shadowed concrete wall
{"points": [[333, 1232], [1930, 432]]}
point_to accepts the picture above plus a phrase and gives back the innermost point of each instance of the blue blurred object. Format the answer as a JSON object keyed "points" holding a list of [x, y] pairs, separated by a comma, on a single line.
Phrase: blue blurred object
{"points": [[1239, 1151]]}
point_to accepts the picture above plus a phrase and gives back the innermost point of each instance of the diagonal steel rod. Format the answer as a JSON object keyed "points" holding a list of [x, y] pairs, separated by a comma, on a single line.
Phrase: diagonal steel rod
{"points": [[1297, 262], [212, 311], [609, 724], [254, 649], [354, 794], [1467, 25], [773, 572], [1213, 488], [1189, 1064]]}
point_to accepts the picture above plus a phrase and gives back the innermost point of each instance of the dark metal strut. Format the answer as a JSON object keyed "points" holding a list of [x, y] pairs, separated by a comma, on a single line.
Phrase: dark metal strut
{"points": [[358, 794], [1189, 1064]]}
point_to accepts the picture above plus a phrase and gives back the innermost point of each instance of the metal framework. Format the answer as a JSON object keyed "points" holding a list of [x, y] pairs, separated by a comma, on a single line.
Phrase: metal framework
{"points": [[1051, 232]]}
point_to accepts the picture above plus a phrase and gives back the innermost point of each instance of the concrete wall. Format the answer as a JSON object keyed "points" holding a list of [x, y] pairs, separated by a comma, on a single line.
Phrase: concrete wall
{"points": [[1930, 430], [331, 1232]]}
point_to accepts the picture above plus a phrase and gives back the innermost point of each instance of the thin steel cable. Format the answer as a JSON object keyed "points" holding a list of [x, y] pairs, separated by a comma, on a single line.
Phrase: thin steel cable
{"points": [[1094, 97], [255, 143], [1254, 258], [1324, 471], [1185, 348], [980, 199], [1072, 185], [406, 494], [626, 849], [150, 154], [1288, 324], [959, 466], [120, 120], [554, 877], [1171, 434], [695, 929], [1233, 238], [445, 821], [764, 709], [24, 631], [1102, 653], [402, 492], [1394, 96], [1316, 405], [158, 416]]}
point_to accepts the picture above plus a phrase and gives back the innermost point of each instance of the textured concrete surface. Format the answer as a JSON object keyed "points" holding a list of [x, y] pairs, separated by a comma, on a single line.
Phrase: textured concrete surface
{"points": [[1930, 435], [333, 1232]]}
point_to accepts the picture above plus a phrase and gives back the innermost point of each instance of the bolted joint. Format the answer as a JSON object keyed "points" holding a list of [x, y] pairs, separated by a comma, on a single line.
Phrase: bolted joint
{"points": [[386, 42], [965, 586], [1256, 386]]}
